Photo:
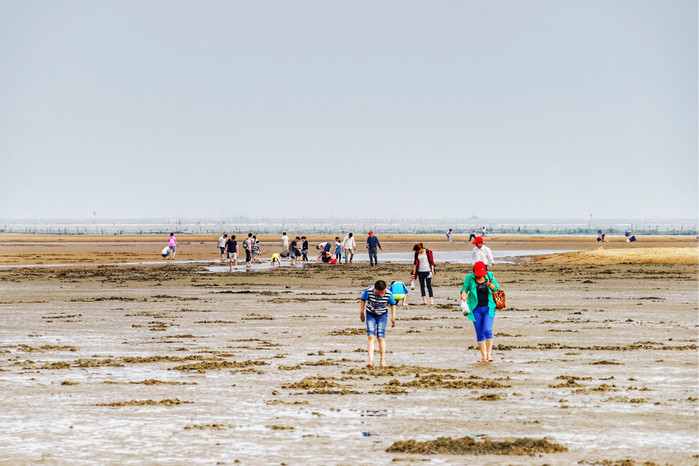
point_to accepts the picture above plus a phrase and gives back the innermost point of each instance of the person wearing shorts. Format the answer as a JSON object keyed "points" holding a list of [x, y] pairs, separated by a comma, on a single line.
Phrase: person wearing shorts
{"points": [[172, 244], [222, 245], [375, 301], [231, 251], [294, 251]]}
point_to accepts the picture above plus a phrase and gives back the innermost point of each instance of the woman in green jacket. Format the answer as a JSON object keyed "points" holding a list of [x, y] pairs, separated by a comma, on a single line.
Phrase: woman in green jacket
{"points": [[477, 294]]}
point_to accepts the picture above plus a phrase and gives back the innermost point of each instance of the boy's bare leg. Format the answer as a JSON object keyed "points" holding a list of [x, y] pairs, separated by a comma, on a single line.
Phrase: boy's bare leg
{"points": [[382, 351], [371, 350]]}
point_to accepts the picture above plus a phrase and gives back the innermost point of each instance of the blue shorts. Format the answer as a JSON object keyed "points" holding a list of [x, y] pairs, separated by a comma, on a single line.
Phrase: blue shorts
{"points": [[223, 250], [376, 325]]}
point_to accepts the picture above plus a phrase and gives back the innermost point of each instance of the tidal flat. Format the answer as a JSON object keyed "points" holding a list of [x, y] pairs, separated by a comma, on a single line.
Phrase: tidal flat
{"points": [[171, 364]]}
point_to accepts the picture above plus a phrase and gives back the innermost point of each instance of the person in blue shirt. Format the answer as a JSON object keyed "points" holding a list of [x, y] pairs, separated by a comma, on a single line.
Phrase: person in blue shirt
{"points": [[375, 301], [372, 243], [399, 292]]}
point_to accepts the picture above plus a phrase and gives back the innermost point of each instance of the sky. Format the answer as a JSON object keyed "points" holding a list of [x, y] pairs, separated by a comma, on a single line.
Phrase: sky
{"points": [[362, 109]]}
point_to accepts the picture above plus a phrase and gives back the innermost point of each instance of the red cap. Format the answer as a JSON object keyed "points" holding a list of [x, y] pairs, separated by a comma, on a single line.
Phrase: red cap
{"points": [[477, 240], [371, 232], [479, 269]]}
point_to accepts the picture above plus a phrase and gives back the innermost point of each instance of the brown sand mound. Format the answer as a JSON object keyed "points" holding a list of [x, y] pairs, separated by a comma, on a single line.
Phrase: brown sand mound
{"points": [[469, 446], [606, 256]]}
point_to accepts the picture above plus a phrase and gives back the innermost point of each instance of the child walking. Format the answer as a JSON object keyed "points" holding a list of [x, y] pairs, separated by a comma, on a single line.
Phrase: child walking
{"points": [[375, 300]]}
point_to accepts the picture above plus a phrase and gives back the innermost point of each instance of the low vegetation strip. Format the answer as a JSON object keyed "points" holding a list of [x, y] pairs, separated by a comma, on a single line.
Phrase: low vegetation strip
{"points": [[469, 446]]}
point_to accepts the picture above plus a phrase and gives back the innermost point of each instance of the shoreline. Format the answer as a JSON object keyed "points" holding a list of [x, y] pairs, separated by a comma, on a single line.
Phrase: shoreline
{"points": [[39, 249]]}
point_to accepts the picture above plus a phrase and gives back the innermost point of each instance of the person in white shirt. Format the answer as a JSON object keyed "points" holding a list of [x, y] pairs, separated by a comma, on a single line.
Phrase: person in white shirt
{"points": [[349, 245], [482, 253], [285, 241], [222, 245]]}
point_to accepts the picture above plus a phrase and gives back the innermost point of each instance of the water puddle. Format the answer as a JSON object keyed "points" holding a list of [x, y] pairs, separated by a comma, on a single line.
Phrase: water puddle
{"points": [[454, 257]]}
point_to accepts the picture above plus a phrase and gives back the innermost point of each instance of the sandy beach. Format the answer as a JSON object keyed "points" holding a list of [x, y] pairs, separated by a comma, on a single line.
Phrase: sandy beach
{"points": [[595, 357]]}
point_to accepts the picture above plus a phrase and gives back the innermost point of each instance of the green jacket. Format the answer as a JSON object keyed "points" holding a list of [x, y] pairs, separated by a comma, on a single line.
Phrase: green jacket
{"points": [[472, 297]]}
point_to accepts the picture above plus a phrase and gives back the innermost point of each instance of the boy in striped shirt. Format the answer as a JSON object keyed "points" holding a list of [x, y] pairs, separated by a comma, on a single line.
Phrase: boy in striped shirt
{"points": [[375, 300]]}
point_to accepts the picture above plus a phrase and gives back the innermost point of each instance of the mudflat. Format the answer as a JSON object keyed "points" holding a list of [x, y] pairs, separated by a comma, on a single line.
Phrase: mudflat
{"points": [[38, 249], [594, 364]]}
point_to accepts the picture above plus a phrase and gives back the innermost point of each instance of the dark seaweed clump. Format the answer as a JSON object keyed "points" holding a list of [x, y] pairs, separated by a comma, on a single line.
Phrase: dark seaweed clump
{"points": [[469, 446]]}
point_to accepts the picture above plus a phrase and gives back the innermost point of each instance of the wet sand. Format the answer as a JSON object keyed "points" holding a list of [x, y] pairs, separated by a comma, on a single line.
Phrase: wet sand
{"points": [[170, 364], [17, 249]]}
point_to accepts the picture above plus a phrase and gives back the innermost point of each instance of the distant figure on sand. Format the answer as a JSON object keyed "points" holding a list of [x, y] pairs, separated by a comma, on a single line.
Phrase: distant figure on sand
{"points": [[276, 259], [256, 250], [375, 300], [631, 239], [349, 245], [483, 232], [449, 236], [472, 236], [247, 245], [338, 250], [477, 292], [285, 241], [294, 251], [600, 237], [482, 253], [423, 268], [172, 244], [222, 246], [231, 251], [304, 249], [372, 243]]}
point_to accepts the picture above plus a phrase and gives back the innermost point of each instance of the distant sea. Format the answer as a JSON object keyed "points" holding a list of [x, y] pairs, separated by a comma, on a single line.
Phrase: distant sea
{"points": [[407, 226]]}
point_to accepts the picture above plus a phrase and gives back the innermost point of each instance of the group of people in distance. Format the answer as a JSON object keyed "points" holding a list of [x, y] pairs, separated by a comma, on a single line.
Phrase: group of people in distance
{"points": [[230, 250], [295, 249]]}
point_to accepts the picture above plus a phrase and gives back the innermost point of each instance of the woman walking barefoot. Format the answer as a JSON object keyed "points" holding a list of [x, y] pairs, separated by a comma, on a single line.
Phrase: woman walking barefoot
{"points": [[477, 293], [423, 268]]}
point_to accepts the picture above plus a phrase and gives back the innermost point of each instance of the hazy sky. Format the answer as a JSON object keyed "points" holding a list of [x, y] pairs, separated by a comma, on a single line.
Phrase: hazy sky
{"points": [[358, 108]]}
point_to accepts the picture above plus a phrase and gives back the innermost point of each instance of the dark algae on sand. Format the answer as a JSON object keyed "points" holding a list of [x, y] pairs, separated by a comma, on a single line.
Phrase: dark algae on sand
{"points": [[470, 446]]}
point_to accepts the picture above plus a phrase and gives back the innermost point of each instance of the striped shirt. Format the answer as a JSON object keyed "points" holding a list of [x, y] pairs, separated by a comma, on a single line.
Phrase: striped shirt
{"points": [[377, 305]]}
